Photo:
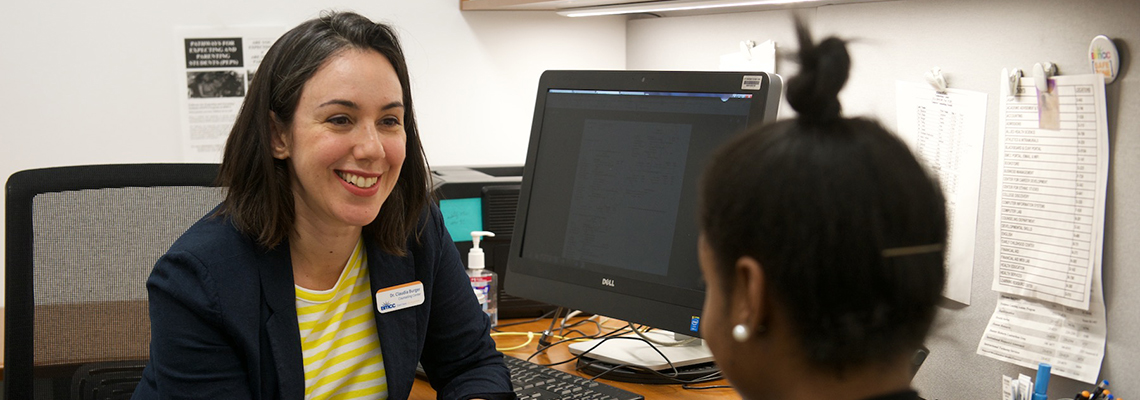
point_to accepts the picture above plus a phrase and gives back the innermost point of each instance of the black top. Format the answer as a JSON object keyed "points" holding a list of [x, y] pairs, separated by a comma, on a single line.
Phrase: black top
{"points": [[224, 320]]}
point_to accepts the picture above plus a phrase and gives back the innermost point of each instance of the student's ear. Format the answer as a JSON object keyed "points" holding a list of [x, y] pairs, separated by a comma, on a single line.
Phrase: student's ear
{"points": [[279, 134], [749, 297]]}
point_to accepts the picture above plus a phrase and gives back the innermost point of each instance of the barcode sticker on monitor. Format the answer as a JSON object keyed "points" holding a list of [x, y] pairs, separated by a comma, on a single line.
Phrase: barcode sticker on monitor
{"points": [[752, 82]]}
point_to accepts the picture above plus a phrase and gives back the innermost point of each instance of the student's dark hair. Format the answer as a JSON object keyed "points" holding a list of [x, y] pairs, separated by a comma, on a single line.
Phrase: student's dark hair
{"points": [[259, 199], [846, 224]]}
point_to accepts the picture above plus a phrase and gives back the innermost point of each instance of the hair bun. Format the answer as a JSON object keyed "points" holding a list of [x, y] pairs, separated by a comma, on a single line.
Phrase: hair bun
{"points": [[814, 92]]}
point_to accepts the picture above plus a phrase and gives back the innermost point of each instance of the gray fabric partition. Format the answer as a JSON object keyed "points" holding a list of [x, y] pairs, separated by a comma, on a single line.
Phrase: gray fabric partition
{"points": [[93, 252]]}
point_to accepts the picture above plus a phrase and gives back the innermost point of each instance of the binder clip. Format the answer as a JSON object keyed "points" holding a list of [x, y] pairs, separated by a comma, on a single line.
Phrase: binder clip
{"points": [[936, 79], [1041, 74], [1013, 79]]}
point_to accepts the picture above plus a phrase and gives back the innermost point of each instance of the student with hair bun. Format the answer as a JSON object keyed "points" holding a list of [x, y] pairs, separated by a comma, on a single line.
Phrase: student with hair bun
{"points": [[822, 245]]}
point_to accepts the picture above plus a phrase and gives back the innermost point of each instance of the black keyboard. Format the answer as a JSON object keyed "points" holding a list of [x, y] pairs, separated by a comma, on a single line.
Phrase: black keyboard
{"points": [[533, 381]]}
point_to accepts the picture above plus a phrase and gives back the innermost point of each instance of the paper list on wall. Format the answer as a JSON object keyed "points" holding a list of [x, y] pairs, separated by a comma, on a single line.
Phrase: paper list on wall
{"points": [[947, 131], [1051, 192], [1027, 332]]}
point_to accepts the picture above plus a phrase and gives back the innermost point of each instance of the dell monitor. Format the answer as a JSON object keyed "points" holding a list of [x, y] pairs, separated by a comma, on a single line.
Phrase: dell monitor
{"points": [[606, 216]]}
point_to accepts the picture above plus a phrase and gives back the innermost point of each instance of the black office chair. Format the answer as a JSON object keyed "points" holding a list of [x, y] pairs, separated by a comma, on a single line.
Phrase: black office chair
{"points": [[81, 242]]}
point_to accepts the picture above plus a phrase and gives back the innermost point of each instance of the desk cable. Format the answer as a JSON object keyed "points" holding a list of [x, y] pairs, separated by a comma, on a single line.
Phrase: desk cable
{"points": [[561, 337]]}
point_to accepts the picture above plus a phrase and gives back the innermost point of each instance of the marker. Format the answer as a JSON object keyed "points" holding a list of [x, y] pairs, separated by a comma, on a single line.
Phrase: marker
{"points": [[1042, 383], [1084, 395], [1098, 391], [1102, 389]]}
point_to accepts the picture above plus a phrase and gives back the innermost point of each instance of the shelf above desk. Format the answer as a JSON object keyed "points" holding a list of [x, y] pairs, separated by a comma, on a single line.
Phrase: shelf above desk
{"points": [[661, 8]]}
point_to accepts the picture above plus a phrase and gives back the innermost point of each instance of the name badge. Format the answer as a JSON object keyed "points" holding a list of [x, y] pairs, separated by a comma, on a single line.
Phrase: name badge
{"points": [[399, 297]]}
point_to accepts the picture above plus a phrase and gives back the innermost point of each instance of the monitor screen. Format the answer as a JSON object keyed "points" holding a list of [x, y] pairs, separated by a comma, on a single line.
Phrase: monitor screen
{"points": [[606, 221]]}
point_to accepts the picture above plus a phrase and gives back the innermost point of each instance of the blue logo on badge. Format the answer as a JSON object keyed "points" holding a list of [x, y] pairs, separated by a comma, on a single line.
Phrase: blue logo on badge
{"points": [[387, 306], [695, 324]]}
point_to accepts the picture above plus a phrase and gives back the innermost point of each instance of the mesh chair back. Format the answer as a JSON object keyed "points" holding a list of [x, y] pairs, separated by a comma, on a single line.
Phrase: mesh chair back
{"points": [[81, 242]]}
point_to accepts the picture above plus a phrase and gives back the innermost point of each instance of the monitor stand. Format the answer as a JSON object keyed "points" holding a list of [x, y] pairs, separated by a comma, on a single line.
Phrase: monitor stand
{"points": [[692, 361]]}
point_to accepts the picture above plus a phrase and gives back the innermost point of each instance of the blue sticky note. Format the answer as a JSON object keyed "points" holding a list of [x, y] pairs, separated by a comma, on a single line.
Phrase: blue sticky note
{"points": [[461, 216]]}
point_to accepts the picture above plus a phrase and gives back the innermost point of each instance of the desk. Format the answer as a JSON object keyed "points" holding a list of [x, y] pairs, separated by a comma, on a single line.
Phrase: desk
{"points": [[421, 390]]}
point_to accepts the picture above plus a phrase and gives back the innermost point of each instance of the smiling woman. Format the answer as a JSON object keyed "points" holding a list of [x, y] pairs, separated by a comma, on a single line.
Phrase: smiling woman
{"points": [[344, 150], [271, 295]]}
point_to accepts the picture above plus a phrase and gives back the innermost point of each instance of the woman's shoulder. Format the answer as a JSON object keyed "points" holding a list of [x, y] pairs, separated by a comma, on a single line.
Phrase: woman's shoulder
{"points": [[429, 229], [213, 269], [215, 245], [431, 217], [425, 238], [213, 234]]}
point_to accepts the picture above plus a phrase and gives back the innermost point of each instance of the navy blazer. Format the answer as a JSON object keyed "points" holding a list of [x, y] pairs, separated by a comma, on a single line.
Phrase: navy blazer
{"points": [[224, 320]]}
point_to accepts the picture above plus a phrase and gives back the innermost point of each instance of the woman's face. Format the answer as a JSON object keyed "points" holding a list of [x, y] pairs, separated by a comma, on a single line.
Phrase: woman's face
{"points": [[346, 142]]}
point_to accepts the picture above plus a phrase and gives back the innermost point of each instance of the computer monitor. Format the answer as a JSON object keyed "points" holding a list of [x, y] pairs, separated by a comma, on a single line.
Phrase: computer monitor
{"points": [[606, 216]]}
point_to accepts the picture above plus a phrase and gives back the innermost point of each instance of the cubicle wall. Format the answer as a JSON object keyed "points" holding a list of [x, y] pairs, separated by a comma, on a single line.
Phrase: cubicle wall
{"points": [[971, 40]]}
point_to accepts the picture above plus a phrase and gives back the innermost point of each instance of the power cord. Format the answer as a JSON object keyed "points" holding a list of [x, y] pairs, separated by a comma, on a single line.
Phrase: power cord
{"points": [[685, 342], [546, 315], [673, 377], [544, 343]]}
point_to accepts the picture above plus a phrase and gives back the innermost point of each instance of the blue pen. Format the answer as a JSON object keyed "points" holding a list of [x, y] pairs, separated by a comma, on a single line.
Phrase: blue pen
{"points": [[1042, 383]]}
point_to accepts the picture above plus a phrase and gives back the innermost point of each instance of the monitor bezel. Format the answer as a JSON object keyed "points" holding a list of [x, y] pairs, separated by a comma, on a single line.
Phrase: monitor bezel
{"points": [[532, 279]]}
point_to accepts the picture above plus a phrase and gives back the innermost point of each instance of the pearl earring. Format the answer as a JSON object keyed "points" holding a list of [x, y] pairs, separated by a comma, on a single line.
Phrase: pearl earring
{"points": [[740, 333]]}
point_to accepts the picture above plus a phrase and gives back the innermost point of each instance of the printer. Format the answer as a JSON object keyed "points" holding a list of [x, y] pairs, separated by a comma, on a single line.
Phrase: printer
{"points": [[485, 198]]}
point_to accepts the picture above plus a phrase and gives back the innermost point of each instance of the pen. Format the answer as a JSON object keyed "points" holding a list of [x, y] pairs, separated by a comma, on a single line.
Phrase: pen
{"points": [[1100, 387]]}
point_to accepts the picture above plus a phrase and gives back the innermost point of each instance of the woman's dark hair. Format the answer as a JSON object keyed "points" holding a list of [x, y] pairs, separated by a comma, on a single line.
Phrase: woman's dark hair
{"points": [[846, 224], [260, 200]]}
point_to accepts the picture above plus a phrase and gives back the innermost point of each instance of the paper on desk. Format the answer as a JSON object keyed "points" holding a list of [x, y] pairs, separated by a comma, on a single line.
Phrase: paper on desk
{"points": [[947, 132], [1051, 192], [761, 58], [1027, 332]]}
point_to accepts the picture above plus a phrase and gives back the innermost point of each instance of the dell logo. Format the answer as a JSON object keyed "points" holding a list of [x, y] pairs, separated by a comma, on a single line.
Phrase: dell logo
{"points": [[607, 282]]}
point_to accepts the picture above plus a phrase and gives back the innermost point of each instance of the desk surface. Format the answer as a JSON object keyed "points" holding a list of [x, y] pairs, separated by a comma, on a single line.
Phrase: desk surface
{"points": [[422, 391]]}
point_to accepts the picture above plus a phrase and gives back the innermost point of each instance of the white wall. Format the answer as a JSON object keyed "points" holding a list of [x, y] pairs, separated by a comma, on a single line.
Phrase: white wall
{"points": [[971, 40], [93, 82]]}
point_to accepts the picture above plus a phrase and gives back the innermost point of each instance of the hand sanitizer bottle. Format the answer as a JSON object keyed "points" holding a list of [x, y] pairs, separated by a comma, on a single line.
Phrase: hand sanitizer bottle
{"points": [[485, 282]]}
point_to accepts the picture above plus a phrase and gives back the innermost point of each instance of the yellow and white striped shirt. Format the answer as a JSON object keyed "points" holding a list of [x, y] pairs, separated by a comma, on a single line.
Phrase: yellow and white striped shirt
{"points": [[338, 337]]}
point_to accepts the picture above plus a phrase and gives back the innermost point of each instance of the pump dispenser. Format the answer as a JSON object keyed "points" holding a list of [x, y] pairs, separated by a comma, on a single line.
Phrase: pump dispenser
{"points": [[485, 282]]}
